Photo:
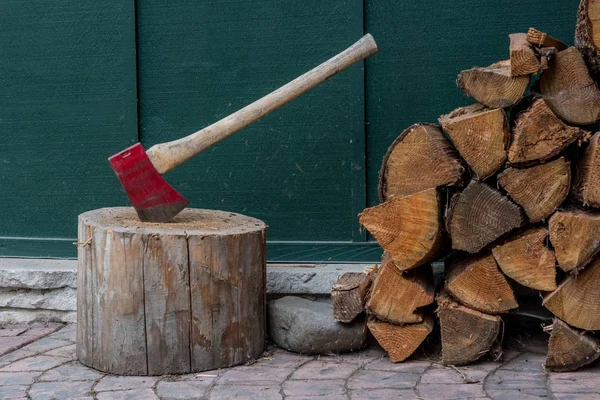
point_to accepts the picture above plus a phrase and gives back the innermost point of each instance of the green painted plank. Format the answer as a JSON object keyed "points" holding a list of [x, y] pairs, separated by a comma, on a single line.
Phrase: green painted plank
{"points": [[424, 44], [200, 61], [286, 251], [68, 101]]}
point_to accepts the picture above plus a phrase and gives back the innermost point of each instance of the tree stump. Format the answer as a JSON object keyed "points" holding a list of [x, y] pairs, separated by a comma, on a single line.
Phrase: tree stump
{"points": [[169, 298]]}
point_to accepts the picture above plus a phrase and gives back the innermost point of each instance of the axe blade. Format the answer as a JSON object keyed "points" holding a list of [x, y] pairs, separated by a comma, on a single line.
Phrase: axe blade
{"points": [[152, 197]]}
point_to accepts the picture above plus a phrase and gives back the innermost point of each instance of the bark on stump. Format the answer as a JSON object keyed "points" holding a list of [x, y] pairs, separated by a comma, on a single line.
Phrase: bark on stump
{"points": [[169, 298]]}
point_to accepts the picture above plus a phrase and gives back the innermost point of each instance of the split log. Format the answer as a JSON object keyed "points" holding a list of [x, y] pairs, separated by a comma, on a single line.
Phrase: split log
{"points": [[539, 135], [397, 296], [587, 35], [526, 259], [541, 39], [577, 299], [523, 60], [420, 158], [188, 295], [569, 90], [466, 334], [409, 228], [479, 215], [400, 341], [348, 295], [587, 180], [493, 86], [476, 282], [545, 54], [569, 349], [481, 136], [540, 190], [575, 236]]}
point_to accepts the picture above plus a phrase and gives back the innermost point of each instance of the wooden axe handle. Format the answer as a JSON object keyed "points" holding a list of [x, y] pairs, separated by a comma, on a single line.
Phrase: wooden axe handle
{"points": [[166, 156]]}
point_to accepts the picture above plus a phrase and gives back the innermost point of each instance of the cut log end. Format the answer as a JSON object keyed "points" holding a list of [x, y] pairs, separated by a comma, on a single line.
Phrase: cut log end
{"points": [[569, 349], [577, 299], [587, 180], [493, 86], [348, 295], [575, 236], [481, 136], [569, 90], [400, 341], [398, 297], [476, 282], [539, 135], [526, 259], [523, 60], [409, 228], [420, 158], [466, 334], [541, 39], [479, 215], [540, 190]]}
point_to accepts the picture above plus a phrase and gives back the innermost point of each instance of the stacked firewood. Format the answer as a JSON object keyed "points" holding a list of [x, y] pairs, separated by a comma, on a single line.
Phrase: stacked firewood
{"points": [[506, 192]]}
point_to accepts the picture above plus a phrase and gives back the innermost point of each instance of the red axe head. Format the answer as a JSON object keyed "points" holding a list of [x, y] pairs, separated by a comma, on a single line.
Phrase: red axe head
{"points": [[152, 197]]}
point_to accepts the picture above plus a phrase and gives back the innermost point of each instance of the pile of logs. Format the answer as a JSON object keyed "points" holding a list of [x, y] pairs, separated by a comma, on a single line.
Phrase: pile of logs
{"points": [[506, 192]]}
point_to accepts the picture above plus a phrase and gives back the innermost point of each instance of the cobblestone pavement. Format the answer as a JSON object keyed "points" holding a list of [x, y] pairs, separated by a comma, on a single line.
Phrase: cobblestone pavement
{"points": [[47, 368]]}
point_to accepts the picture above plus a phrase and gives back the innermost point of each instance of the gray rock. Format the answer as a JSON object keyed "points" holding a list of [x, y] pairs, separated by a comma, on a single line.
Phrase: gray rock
{"points": [[306, 279], [18, 316], [306, 326], [25, 273], [63, 299]]}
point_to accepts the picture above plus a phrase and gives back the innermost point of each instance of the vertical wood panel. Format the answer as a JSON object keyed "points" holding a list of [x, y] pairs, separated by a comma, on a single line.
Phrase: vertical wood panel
{"points": [[85, 316], [68, 101], [296, 168]]}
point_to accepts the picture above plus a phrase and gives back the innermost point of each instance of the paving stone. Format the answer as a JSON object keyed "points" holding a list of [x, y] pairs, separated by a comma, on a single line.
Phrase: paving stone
{"points": [[13, 330], [577, 396], [525, 362], [382, 379], [205, 376], [16, 355], [254, 375], [34, 363], [363, 356], [45, 344], [17, 378], [243, 392], [515, 394], [450, 391], [325, 370], [65, 352], [383, 394], [12, 392], [329, 397], [441, 375], [71, 372], [138, 394], [183, 389], [385, 364], [504, 380], [60, 390], [8, 344], [314, 388], [305, 326], [69, 334], [279, 358], [575, 382], [112, 382]]}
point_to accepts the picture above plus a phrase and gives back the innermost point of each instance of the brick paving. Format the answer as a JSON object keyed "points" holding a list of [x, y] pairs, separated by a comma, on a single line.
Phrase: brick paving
{"points": [[46, 368]]}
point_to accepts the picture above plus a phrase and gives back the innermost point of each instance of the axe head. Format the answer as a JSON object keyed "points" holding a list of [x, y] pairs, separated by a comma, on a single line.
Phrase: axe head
{"points": [[152, 197]]}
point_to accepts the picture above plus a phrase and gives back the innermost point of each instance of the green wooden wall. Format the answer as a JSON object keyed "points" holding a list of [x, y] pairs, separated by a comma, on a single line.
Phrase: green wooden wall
{"points": [[82, 80]]}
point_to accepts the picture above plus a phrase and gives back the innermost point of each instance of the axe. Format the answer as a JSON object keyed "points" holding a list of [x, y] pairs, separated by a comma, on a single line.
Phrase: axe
{"points": [[140, 171]]}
